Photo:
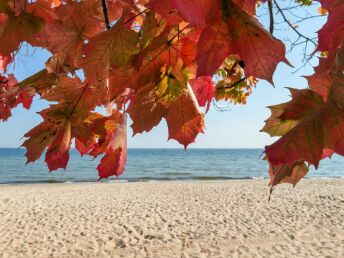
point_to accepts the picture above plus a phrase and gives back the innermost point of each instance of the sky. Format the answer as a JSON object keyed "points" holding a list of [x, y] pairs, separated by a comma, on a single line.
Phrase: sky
{"points": [[239, 127]]}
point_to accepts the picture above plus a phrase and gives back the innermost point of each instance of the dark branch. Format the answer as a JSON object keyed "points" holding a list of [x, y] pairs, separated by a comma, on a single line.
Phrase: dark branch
{"points": [[106, 16], [291, 25], [221, 109], [232, 85], [271, 14], [177, 35]]}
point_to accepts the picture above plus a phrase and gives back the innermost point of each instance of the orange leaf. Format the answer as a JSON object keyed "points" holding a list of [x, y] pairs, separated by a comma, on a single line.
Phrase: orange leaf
{"points": [[184, 118]]}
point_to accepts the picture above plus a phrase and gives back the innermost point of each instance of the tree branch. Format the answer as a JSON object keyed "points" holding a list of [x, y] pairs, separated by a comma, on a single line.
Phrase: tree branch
{"points": [[232, 85], [291, 25], [271, 14], [106, 16]]}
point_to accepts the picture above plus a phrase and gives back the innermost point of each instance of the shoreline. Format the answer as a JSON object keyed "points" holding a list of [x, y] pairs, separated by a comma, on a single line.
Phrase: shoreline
{"points": [[124, 181], [228, 218]]}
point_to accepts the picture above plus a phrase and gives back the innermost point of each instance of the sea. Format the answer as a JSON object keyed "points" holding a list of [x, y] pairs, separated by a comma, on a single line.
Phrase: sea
{"points": [[155, 165]]}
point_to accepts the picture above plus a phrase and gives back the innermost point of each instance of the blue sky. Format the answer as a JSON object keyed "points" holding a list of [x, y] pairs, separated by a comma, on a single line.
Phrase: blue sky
{"points": [[237, 128]]}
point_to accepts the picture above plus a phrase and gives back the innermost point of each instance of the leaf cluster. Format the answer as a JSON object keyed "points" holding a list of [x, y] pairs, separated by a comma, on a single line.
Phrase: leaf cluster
{"points": [[311, 124], [155, 60]]}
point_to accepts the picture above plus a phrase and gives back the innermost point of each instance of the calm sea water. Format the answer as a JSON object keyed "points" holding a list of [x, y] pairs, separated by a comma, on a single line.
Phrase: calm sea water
{"points": [[155, 164]]}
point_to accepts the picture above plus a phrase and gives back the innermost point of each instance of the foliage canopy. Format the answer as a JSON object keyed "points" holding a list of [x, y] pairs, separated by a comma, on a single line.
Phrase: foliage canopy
{"points": [[165, 59]]}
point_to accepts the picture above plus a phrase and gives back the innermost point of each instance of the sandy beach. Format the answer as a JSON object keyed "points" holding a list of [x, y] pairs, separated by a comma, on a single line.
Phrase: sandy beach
{"points": [[173, 219]]}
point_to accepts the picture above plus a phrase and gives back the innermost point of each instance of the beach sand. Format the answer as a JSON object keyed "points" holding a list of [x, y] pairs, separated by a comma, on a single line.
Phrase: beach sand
{"points": [[173, 219]]}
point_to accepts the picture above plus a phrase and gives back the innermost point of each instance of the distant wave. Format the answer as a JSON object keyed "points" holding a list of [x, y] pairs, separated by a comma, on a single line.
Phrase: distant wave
{"points": [[176, 174]]}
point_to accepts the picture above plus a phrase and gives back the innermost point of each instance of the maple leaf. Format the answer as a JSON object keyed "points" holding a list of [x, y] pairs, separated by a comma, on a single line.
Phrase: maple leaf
{"points": [[187, 49], [53, 133], [65, 36], [212, 37], [196, 12], [12, 94], [184, 118], [290, 174], [249, 6], [319, 126], [316, 115], [287, 174], [62, 122], [145, 110], [121, 81], [151, 28], [83, 148], [320, 83], [331, 34], [90, 134], [261, 51], [113, 47], [68, 90], [275, 126], [327, 73], [166, 9], [43, 9], [15, 29], [113, 162], [164, 51], [203, 87], [171, 85], [115, 9], [57, 155], [39, 138]]}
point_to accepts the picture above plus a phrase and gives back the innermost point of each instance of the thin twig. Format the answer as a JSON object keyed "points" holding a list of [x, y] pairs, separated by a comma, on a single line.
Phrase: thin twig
{"points": [[221, 109], [106, 16], [232, 85], [177, 35], [291, 26]]}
